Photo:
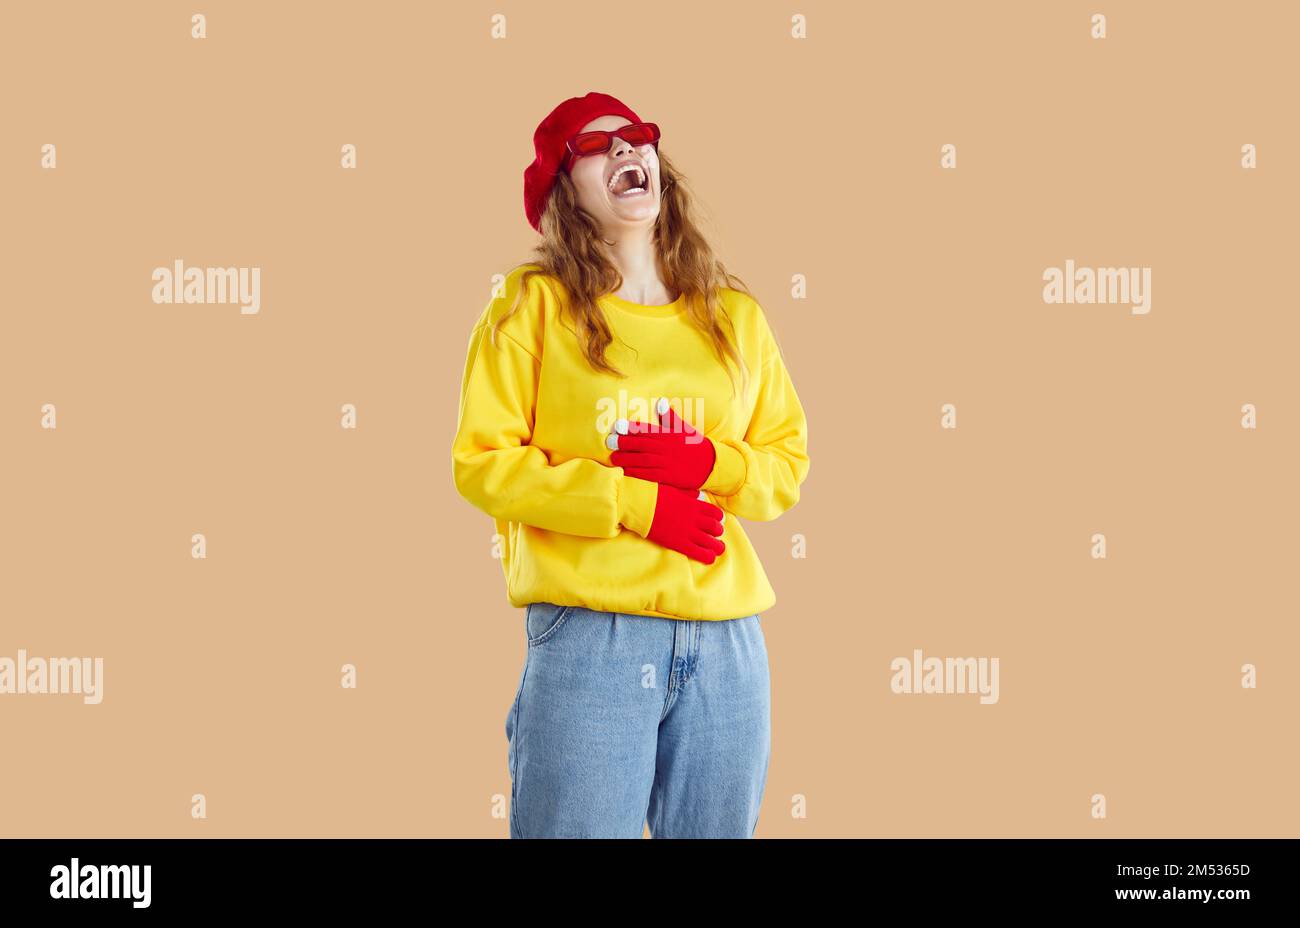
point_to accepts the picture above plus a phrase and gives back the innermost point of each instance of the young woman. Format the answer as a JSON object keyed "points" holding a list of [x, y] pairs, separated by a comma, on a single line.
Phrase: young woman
{"points": [[620, 405]]}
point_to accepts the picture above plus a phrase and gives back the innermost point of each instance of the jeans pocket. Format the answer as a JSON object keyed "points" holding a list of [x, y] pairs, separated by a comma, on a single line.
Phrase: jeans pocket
{"points": [[542, 620]]}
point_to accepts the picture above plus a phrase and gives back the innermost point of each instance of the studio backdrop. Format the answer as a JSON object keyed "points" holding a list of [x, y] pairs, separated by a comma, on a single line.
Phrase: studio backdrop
{"points": [[1030, 266]]}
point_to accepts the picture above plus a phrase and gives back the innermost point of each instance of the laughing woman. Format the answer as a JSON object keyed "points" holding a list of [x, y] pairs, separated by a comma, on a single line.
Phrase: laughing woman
{"points": [[621, 405]]}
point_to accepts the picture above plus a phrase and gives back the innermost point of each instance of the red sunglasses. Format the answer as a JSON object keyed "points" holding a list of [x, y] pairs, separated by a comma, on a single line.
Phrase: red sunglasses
{"points": [[598, 141]]}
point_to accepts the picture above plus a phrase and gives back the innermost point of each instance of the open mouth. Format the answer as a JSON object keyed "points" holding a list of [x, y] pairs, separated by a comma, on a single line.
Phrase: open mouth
{"points": [[629, 181]]}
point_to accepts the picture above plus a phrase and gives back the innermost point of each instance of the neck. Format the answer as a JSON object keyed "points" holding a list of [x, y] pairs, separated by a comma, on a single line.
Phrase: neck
{"points": [[633, 253]]}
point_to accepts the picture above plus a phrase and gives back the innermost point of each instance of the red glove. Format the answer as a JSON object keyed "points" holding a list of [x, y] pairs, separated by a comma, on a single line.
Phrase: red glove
{"points": [[672, 452], [686, 523]]}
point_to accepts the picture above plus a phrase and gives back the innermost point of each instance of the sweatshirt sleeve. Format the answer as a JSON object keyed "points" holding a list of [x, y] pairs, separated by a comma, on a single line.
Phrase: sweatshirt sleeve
{"points": [[758, 477], [500, 472]]}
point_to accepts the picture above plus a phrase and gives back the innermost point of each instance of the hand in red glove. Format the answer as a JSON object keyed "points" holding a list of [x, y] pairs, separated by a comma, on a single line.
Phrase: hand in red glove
{"points": [[672, 452], [684, 522]]}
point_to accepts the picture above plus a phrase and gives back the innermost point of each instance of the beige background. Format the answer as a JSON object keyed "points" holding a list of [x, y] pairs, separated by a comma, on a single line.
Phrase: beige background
{"points": [[815, 157]]}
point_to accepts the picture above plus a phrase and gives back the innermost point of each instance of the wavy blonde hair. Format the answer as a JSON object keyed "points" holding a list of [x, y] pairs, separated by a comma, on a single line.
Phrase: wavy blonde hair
{"points": [[570, 251]]}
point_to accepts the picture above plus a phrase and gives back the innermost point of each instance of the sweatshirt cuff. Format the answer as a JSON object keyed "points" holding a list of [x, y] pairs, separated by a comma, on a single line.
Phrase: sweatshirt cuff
{"points": [[729, 471], [636, 503]]}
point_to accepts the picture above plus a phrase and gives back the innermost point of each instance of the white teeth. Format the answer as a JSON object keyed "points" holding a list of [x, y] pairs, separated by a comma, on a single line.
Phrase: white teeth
{"points": [[641, 175]]}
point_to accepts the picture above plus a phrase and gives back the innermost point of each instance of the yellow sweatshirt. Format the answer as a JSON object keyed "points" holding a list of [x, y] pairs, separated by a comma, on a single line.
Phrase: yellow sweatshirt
{"points": [[530, 452]]}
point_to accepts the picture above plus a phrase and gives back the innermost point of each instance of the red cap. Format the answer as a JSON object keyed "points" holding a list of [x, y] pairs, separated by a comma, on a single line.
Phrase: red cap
{"points": [[565, 121]]}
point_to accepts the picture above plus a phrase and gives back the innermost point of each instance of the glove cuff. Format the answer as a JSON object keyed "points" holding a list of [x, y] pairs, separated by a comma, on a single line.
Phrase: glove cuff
{"points": [[729, 470], [636, 503]]}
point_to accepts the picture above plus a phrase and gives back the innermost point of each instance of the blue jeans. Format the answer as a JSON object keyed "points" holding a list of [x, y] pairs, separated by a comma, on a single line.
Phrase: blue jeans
{"points": [[622, 719]]}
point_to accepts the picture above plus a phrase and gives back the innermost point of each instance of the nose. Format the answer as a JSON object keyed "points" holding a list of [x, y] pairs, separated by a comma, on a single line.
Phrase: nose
{"points": [[621, 147]]}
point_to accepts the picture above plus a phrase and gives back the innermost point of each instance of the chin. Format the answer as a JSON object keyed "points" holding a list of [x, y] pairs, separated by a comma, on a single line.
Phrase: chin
{"points": [[649, 214]]}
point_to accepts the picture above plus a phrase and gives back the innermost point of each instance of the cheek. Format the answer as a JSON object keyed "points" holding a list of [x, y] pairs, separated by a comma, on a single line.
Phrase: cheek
{"points": [[590, 187]]}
